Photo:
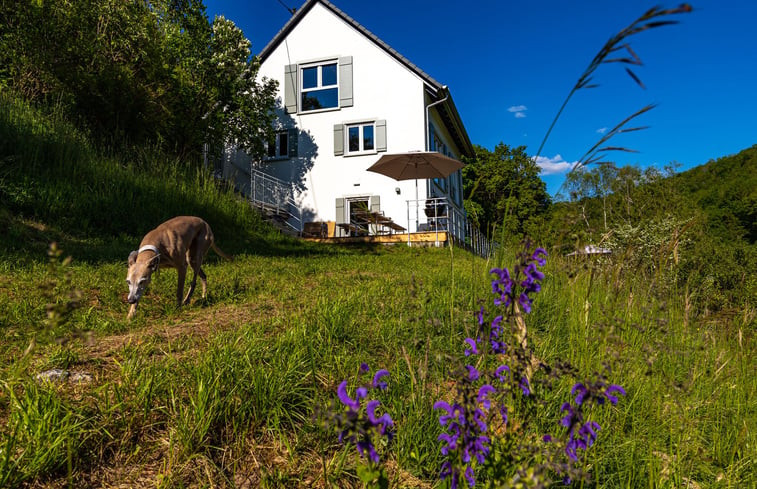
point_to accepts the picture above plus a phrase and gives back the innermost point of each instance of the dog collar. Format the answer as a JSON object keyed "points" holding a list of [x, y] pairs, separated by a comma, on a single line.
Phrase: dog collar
{"points": [[149, 248]]}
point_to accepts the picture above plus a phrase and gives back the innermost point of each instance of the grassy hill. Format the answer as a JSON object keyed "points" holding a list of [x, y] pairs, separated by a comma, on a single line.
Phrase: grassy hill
{"points": [[227, 391]]}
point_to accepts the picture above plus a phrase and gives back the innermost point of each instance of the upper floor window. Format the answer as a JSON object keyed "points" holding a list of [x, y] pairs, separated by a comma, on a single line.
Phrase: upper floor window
{"points": [[316, 86], [361, 138], [320, 87]]}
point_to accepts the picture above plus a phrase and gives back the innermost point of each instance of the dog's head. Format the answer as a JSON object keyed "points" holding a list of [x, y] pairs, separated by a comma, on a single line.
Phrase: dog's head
{"points": [[138, 275]]}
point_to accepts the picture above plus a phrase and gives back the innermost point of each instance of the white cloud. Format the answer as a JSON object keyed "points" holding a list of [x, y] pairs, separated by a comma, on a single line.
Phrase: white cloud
{"points": [[554, 165], [519, 111], [602, 130]]}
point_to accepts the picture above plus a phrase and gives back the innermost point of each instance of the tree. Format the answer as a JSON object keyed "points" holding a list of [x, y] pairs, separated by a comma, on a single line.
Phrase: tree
{"points": [[138, 72], [503, 190]]}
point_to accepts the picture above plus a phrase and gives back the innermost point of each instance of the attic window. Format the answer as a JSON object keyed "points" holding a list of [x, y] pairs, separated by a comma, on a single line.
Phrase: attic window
{"points": [[320, 87]]}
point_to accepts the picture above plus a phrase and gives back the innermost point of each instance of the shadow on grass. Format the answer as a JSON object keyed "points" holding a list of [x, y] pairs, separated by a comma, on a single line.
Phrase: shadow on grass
{"points": [[25, 242]]}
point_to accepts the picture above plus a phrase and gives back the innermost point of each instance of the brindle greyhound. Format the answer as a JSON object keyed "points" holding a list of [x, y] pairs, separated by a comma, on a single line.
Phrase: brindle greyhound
{"points": [[179, 242]]}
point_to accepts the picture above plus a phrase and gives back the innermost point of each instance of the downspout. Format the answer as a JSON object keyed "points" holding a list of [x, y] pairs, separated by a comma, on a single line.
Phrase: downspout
{"points": [[446, 96], [428, 135], [428, 146]]}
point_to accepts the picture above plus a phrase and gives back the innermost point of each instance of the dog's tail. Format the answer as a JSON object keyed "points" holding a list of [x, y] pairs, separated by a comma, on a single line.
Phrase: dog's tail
{"points": [[220, 253]]}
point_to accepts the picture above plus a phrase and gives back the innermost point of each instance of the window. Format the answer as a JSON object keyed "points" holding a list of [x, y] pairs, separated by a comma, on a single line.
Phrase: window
{"points": [[356, 138], [315, 86], [360, 138], [279, 146], [438, 145], [320, 87]]}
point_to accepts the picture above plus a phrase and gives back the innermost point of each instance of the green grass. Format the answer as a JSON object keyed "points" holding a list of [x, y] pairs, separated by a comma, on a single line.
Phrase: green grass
{"points": [[223, 392]]}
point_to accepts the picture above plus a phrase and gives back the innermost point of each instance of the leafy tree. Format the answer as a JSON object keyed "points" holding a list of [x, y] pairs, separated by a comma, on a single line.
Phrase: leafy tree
{"points": [[504, 191], [139, 71]]}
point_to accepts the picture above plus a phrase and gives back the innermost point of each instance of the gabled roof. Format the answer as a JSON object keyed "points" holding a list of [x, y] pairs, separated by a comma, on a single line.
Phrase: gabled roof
{"points": [[448, 110]]}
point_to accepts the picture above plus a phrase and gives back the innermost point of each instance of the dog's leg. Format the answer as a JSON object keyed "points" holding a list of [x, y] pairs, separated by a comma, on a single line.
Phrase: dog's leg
{"points": [[191, 286], [203, 281], [182, 273]]}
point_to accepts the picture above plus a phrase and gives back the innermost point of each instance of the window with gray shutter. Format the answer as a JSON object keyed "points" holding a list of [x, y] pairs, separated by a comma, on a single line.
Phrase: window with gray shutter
{"points": [[290, 88], [338, 139], [345, 81], [380, 135], [341, 218], [293, 140]]}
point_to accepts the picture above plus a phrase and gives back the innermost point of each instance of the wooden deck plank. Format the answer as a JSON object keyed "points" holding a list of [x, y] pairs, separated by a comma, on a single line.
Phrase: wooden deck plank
{"points": [[415, 238]]}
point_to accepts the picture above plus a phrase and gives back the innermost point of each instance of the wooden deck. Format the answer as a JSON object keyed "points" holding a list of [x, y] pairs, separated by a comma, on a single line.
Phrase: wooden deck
{"points": [[416, 239]]}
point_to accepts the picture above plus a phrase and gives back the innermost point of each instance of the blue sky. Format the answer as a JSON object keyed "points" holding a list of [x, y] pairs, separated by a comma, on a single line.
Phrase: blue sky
{"points": [[510, 64]]}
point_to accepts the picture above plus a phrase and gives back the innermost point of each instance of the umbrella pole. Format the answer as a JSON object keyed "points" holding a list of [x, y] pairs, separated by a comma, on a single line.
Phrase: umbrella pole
{"points": [[417, 204]]}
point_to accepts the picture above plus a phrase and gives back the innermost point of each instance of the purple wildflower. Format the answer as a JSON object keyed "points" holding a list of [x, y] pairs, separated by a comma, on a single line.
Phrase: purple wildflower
{"points": [[358, 425], [580, 391], [469, 476], [612, 389], [484, 391], [524, 386], [539, 256], [353, 404], [525, 302], [500, 372], [473, 374], [377, 382], [473, 350]]}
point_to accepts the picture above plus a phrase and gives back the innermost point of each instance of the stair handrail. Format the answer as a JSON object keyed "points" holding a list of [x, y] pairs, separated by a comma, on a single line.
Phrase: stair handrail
{"points": [[271, 193]]}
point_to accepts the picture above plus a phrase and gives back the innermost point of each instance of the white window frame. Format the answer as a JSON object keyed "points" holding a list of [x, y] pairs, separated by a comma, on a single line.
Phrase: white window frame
{"points": [[319, 84], [280, 155], [440, 147], [361, 139]]}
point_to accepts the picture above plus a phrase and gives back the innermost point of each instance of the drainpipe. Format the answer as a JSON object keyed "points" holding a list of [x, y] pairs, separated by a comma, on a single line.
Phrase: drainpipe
{"points": [[428, 147], [446, 96]]}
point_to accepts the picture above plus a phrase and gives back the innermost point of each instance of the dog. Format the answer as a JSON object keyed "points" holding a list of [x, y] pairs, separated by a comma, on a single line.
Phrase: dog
{"points": [[177, 243]]}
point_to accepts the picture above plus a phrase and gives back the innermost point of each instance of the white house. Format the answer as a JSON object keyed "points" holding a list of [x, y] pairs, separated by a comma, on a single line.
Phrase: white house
{"points": [[345, 99]]}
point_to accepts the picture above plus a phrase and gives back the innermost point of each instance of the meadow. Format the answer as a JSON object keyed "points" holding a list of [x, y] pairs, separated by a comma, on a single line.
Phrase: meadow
{"points": [[226, 392]]}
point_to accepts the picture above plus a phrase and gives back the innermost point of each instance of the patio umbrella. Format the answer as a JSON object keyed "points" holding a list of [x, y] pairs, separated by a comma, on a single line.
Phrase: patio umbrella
{"points": [[415, 165]]}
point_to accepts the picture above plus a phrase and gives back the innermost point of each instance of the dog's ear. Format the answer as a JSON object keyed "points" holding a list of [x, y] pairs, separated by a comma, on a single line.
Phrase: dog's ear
{"points": [[133, 257], [154, 262]]}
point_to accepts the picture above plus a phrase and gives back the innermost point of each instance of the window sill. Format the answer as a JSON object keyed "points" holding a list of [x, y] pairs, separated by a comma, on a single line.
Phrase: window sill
{"points": [[318, 111], [360, 153]]}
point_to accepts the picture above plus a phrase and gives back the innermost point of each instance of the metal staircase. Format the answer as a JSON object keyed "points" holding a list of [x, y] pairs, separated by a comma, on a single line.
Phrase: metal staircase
{"points": [[274, 199]]}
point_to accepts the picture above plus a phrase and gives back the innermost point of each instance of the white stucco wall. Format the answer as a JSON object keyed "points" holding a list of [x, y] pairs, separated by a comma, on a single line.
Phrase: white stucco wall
{"points": [[382, 89]]}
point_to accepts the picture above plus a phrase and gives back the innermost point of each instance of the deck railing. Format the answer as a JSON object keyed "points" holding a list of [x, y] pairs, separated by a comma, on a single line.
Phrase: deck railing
{"points": [[437, 215]]}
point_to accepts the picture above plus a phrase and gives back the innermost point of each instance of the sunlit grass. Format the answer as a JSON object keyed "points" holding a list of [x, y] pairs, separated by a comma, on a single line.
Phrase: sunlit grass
{"points": [[223, 392]]}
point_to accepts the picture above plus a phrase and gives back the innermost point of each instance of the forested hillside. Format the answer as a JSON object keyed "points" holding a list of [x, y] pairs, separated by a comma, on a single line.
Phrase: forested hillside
{"points": [[698, 226], [726, 191]]}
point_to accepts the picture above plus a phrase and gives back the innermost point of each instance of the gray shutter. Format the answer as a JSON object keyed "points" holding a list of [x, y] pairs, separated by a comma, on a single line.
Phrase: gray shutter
{"points": [[345, 81], [290, 88], [293, 139], [338, 139], [374, 201], [380, 135], [340, 216]]}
